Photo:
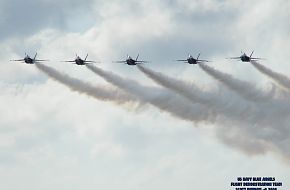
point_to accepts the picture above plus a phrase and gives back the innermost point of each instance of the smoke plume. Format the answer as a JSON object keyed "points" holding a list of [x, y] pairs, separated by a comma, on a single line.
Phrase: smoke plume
{"points": [[244, 89], [254, 129], [267, 121], [221, 103], [101, 93], [160, 98], [281, 79]]}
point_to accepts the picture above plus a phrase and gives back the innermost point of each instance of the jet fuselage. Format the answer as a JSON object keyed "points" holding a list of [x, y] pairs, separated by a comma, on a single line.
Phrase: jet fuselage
{"points": [[130, 61], [191, 60], [245, 58], [79, 61], [28, 60]]}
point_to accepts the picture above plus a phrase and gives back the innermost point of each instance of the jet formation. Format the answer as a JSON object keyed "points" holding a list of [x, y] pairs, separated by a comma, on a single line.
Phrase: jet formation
{"points": [[130, 61]]}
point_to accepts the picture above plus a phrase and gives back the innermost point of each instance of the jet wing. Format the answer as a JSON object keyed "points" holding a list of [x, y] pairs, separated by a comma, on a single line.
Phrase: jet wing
{"points": [[72, 62], [234, 58], [119, 61], [181, 60], [141, 62], [91, 62], [200, 60], [17, 60], [253, 58], [41, 60]]}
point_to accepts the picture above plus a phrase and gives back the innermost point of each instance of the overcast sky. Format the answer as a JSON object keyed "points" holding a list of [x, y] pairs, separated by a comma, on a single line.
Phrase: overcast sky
{"points": [[53, 138]]}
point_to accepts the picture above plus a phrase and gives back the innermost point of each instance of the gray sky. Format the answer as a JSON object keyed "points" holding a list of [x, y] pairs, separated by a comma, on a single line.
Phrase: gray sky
{"points": [[53, 138]]}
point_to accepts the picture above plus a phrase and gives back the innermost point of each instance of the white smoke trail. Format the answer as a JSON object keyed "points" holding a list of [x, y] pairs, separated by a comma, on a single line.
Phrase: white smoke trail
{"points": [[244, 140], [260, 119], [101, 93], [281, 79], [162, 99], [270, 129], [242, 88], [252, 139], [220, 103], [217, 103], [187, 90]]}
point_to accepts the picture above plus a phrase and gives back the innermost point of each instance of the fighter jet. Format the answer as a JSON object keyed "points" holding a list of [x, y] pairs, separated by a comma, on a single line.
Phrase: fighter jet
{"points": [[131, 61], [29, 60], [79, 61], [192, 60], [245, 58]]}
